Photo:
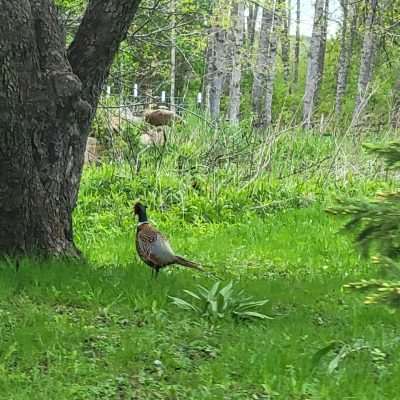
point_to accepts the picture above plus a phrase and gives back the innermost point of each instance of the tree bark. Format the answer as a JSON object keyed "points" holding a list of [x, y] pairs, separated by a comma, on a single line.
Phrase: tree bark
{"points": [[314, 64], [173, 56], [251, 23], [367, 61], [47, 102], [297, 45], [236, 72], [258, 89], [346, 50], [285, 39], [263, 85], [217, 71], [395, 120]]}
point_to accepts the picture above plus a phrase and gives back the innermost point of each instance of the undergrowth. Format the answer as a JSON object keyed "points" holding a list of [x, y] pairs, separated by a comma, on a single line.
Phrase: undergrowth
{"points": [[104, 329]]}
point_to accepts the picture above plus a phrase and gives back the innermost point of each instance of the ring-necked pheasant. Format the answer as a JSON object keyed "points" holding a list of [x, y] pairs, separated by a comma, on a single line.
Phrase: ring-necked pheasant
{"points": [[153, 248]]}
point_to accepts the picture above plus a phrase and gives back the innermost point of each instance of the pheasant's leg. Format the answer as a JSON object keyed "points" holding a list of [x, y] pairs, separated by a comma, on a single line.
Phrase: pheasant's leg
{"points": [[157, 271]]}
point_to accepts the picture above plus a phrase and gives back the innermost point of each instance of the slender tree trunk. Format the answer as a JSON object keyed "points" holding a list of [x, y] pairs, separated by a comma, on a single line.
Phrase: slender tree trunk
{"points": [[367, 61], [173, 56], [322, 50], [217, 71], [314, 64], [263, 84], [285, 39], [297, 45], [266, 118], [47, 102], [345, 54], [395, 120], [252, 18], [237, 36], [258, 90]]}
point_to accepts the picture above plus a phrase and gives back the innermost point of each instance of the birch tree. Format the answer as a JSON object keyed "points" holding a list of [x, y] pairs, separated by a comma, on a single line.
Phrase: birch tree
{"points": [[367, 61], [314, 64], [285, 38], [346, 51], [173, 55], [258, 90], [237, 35], [297, 45]]}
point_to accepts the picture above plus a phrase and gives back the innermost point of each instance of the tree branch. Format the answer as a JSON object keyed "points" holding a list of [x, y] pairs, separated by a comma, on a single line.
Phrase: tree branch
{"points": [[103, 27]]}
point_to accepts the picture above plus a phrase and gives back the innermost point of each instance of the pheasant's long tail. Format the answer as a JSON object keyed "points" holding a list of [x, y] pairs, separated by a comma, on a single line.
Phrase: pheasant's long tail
{"points": [[186, 263]]}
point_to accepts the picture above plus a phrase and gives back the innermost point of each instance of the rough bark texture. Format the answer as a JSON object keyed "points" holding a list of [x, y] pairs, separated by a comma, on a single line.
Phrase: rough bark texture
{"points": [[297, 45], [313, 70], [346, 50], [236, 72], [47, 102], [367, 61]]}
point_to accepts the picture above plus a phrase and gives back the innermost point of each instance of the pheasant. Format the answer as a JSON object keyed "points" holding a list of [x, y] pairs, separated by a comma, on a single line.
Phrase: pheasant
{"points": [[153, 248]]}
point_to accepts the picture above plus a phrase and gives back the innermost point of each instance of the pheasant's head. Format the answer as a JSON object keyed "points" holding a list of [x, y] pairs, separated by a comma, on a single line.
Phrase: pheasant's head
{"points": [[140, 210]]}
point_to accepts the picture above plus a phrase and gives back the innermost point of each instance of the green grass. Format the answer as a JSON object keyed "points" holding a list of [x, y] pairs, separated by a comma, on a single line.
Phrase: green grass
{"points": [[108, 331]]}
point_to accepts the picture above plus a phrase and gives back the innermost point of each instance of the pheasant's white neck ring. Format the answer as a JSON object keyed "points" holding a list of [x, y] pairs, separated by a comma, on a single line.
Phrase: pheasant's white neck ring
{"points": [[142, 223]]}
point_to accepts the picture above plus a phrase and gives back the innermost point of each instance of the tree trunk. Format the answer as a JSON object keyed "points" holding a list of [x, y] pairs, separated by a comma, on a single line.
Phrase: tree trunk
{"points": [[173, 56], [346, 50], [236, 72], [258, 90], [314, 64], [285, 39], [367, 61], [395, 120], [251, 23], [263, 84], [217, 71], [297, 46], [322, 50], [47, 102]]}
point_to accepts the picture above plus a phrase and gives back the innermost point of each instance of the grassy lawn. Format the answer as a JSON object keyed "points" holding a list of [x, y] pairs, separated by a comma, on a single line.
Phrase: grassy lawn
{"points": [[108, 331]]}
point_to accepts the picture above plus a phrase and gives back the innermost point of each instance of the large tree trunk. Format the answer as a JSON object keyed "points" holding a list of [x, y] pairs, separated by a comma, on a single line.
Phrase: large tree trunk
{"points": [[367, 62], [47, 101], [314, 64], [236, 72], [346, 50]]}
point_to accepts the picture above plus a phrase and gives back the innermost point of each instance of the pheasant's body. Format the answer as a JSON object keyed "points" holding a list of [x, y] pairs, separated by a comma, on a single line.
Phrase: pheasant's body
{"points": [[153, 248]]}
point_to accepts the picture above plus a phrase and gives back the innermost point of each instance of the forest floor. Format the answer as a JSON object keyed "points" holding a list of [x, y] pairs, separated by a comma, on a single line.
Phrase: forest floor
{"points": [[107, 330]]}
